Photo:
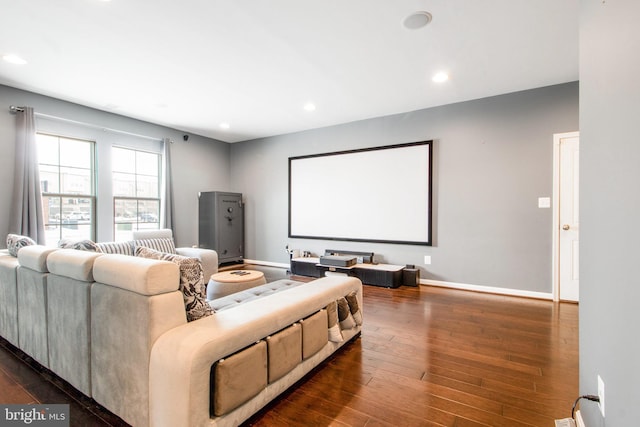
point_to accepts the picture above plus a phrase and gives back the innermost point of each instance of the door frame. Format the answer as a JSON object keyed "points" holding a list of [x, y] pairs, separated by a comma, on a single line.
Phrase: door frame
{"points": [[555, 245]]}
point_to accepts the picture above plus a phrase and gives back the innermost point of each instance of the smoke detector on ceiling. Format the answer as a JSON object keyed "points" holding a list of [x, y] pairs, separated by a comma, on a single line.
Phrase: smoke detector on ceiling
{"points": [[417, 20]]}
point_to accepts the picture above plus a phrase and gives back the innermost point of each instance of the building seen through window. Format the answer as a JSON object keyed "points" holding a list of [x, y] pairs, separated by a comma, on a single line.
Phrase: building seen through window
{"points": [[136, 191], [67, 182]]}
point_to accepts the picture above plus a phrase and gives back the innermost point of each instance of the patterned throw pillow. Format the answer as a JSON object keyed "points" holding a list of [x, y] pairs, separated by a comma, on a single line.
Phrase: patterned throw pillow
{"points": [[335, 334], [191, 281], [122, 248], [80, 245], [16, 242], [162, 244], [345, 318], [354, 308]]}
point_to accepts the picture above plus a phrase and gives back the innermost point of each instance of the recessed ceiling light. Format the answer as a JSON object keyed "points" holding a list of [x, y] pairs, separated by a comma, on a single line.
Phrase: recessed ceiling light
{"points": [[14, 59], [417, 20], [224, 125], [440, 77], [309, 106]]}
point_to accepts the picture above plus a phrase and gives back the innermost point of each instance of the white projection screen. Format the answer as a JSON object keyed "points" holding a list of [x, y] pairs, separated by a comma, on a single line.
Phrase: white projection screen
{"points": [[380, 194]]}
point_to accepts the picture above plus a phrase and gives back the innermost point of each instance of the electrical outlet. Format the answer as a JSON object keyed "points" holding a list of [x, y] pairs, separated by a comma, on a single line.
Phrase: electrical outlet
{"points": [[427, 259], [601, 395], [544, 202]]}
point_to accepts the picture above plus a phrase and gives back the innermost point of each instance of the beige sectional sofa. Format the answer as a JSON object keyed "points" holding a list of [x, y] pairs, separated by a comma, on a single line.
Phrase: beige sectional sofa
{"points": [[114, 326]]}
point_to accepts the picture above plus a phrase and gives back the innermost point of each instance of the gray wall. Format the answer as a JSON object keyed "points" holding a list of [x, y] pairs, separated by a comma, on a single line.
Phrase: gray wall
{"points": [[201, 164], [492, 160], [610, 207]]}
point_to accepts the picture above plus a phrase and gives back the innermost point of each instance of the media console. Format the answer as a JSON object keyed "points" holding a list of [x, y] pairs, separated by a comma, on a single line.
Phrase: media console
{"points": [[386, 275]]}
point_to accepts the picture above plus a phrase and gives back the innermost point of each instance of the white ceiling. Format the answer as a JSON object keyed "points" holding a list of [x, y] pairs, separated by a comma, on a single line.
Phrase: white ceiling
{"points": [[193, 64]]}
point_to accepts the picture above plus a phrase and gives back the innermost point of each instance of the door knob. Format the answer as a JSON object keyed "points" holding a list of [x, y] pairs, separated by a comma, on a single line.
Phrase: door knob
{"points": [[566, 227]]}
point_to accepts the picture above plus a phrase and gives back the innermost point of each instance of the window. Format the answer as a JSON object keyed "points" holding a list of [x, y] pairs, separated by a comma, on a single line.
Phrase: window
{"points": [[67, 181], [136, 191]]}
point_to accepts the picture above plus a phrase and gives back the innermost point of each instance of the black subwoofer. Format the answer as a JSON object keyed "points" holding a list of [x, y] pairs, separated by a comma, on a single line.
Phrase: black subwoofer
{"points": [[410, 276]]}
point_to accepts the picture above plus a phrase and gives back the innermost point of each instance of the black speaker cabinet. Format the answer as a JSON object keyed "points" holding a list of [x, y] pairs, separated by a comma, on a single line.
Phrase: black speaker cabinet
{"points": [[221, 224], [411, 276]]}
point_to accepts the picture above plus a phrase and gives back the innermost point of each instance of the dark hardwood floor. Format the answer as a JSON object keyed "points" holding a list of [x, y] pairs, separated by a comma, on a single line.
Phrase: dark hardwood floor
{"points": [[427, 357]]}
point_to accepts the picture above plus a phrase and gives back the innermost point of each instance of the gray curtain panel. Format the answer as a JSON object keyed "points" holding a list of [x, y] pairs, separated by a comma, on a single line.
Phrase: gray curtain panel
{"points": [[26, 217], [167, 211]]}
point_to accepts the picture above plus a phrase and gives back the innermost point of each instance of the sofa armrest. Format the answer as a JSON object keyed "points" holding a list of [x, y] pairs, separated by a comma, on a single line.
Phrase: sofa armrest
{"points": [[181, 359], [208, 258]]}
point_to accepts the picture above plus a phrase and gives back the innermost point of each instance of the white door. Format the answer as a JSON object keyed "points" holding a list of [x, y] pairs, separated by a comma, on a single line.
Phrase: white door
{"points": [[568, 217]]}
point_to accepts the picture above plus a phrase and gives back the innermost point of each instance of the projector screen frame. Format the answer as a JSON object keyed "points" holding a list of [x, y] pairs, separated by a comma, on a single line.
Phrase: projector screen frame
{"points": [[428, 174]]}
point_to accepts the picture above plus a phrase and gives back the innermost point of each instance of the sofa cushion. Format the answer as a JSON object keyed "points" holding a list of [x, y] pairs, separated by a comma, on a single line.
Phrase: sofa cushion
{"points": [[122, 248], [354, 307], [335, 334], [35, 257], [191, 281], [140, 275], [251, 294], [154, 233], [238, 378], [15, 242], [284, 350], [345, 318], [164, 244], [314, 333], [79, 245], [76, 264]]}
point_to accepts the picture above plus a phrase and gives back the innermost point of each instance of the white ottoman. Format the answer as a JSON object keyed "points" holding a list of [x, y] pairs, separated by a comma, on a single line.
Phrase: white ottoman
{"points": [[230, 282]]}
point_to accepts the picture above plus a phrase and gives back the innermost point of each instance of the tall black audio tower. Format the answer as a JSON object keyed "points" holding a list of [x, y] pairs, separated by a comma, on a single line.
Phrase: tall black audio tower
{"points": [[221, 224]]}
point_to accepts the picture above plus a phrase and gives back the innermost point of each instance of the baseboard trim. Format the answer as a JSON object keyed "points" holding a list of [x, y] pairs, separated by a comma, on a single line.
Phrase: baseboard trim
{"points": [[488, 289], [442, 284], [266, 263]]}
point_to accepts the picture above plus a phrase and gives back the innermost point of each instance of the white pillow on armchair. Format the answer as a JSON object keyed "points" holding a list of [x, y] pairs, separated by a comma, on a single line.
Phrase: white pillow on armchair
{"points": [[161, 233]]}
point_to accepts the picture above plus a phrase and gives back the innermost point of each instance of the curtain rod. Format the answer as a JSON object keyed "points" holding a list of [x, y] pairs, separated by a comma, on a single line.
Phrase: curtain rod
{"points": [[14, 109]]}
